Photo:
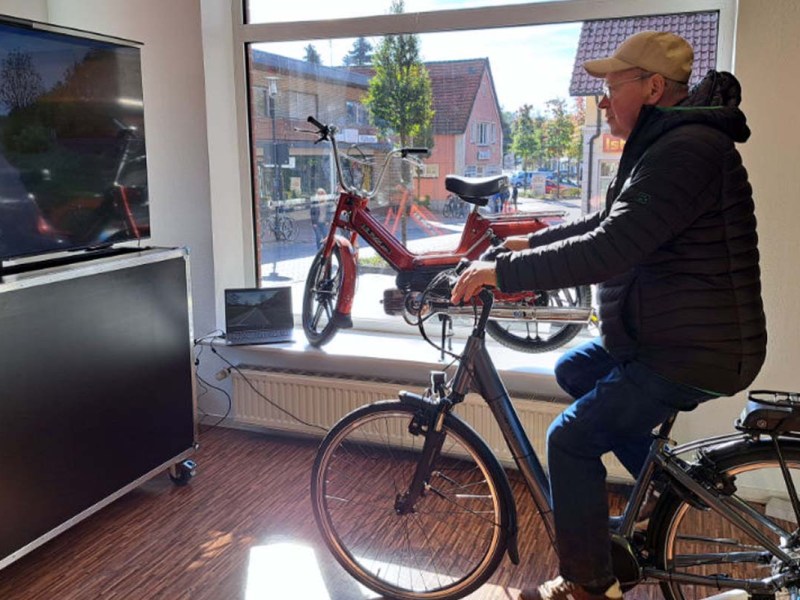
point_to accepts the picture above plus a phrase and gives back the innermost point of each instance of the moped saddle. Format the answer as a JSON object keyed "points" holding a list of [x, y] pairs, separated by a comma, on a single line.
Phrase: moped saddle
{"points": [[476, 190]]}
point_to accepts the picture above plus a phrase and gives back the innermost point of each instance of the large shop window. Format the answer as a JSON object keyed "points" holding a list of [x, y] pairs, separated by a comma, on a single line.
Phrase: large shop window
{"points": [[491, 107]]}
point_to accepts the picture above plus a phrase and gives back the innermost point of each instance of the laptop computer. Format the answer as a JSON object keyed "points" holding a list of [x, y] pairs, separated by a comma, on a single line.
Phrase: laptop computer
{"points": [[258, 315]]}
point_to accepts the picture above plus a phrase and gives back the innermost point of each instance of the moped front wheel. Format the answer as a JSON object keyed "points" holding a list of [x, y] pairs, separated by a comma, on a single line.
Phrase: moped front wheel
{"points": [[538, 336], [323, 285]]}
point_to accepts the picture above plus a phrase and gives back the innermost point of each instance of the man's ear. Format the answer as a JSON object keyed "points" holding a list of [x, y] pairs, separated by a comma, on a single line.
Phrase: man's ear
{"points": [[655, 90]]}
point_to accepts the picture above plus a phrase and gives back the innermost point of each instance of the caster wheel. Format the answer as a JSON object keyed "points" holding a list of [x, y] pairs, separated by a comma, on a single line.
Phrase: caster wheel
{"points": [[182, 473]]}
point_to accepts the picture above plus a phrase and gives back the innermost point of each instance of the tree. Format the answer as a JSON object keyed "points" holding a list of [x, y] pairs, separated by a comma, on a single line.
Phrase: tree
{"points": [[399, 99], [312, 56], [526, 138], [559, 131], [360, 54], [20, 82]]}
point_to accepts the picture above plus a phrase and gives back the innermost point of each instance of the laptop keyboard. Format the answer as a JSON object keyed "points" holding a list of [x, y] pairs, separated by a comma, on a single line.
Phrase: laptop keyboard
{"points": [[258, 336]]}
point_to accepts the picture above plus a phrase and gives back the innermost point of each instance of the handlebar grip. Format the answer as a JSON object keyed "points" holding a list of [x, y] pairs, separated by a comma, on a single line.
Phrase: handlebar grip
{"points": [[316, 123]]}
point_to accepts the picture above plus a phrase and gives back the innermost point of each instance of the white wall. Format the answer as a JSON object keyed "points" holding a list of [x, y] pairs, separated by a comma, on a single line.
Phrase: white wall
{"points": [[35, 10], [175, 117], [767, 43]]}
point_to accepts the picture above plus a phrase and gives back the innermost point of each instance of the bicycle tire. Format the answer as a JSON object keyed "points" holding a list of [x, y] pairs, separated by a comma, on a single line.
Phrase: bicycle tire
{"points": [[675, 518], [437, 552], [447, 211], [287, 228], [526, 336], [323, 284]]}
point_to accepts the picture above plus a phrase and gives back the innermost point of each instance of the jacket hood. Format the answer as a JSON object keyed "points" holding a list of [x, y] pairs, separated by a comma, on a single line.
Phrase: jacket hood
{"points": [[713, 102]]}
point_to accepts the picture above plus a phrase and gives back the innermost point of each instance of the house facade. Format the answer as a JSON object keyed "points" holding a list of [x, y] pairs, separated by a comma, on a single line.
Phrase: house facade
{"points": [[467, 131], [467, 125]]}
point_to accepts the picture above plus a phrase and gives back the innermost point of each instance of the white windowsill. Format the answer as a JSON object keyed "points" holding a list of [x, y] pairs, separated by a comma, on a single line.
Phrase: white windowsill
{"points": [[404, 358]]}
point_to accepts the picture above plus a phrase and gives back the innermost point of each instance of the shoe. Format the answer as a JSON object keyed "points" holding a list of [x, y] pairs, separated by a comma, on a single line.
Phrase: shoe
{"points": [[561, 589]]}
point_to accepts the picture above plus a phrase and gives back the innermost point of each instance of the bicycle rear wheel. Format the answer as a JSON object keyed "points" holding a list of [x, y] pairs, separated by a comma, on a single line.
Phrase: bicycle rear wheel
{"points": [[286, 229], [535, 336], [453, 539], [693, 541]]}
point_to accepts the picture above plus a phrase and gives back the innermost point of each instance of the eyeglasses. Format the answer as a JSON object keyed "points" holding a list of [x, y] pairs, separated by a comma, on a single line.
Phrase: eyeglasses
{"points": [[608, 88]]}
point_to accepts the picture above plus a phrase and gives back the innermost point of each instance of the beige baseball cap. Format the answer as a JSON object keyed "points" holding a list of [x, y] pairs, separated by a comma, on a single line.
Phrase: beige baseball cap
{"points": [[659, 52]]}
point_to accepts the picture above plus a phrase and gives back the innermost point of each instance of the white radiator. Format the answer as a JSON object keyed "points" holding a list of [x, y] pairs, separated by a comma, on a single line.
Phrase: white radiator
{"points": [[323, 400]]}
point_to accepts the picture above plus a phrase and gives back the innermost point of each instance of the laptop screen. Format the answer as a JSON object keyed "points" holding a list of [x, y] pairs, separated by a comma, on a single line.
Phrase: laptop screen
{"points": [[262, 309]]}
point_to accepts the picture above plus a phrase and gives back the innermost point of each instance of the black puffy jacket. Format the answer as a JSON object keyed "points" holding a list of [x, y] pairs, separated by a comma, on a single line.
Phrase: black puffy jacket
{"points": [[675, 249]]}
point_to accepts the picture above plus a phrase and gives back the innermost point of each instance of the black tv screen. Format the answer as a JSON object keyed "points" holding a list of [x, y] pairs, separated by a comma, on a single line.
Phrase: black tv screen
{"points": [[73, 168]]}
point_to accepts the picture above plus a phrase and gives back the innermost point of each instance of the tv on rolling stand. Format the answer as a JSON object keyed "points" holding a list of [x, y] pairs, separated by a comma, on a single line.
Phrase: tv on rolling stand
{"points": [[73, 166]]}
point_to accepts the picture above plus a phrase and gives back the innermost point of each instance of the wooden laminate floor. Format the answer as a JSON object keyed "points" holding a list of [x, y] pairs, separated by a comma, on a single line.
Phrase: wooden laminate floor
{"points": [[242, 529]]}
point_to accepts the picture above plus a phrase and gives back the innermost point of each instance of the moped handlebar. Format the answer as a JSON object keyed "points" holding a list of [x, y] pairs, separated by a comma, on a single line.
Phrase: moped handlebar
{"points": [[328, 132]]}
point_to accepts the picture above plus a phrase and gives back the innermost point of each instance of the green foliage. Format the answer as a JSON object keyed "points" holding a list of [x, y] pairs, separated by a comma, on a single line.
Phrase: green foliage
{"points": [[526, 136], [26, 132], [558, 129], [400, 100], [30, 139], [360, 54], [312, 56]]}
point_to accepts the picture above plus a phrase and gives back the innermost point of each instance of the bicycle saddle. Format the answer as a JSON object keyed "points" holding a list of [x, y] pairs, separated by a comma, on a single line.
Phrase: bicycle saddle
{"points": [[476, 190]]}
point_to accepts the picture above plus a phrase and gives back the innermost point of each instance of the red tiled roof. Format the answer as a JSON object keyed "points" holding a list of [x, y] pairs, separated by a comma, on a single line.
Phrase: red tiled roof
{"points": [[600, 38], [454, 85]]}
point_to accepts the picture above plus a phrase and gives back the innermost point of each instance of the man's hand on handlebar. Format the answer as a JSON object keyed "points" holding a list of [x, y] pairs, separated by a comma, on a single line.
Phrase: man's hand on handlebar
{"points": [[492, 253], [476, 276]]}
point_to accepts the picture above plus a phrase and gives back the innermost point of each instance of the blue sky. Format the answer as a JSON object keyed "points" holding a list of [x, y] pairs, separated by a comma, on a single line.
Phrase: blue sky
{"points": [[530, 65]]}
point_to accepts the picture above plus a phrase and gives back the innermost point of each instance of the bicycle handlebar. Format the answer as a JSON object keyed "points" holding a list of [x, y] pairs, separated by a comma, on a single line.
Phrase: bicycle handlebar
{"points": [[328, 132]]}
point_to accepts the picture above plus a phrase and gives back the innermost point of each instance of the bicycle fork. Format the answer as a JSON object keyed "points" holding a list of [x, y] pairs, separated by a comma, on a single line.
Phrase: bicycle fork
{"points": [[431, 425]]}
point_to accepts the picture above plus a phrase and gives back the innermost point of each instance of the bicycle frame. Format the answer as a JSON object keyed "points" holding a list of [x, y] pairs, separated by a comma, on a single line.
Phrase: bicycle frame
{"points": [[476, 371]]}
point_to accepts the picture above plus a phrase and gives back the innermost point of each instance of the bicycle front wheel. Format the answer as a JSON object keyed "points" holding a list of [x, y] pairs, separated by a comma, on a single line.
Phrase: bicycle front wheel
{"points": [[696, 542], [453, 539]]}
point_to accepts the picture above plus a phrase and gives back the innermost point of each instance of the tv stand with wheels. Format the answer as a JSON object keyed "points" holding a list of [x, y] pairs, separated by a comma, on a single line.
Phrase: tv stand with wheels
{"points": [[96, 387]]}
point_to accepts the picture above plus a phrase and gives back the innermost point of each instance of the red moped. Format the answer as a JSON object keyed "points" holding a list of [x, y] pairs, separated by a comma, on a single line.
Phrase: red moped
{"points": [[534, 321]]}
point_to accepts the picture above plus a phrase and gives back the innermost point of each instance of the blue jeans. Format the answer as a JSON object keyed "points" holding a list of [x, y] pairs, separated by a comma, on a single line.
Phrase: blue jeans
{"points": [[617, 405]]}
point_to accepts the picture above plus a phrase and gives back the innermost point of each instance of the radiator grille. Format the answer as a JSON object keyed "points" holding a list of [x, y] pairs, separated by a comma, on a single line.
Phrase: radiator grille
{"points": [[323, 400]]}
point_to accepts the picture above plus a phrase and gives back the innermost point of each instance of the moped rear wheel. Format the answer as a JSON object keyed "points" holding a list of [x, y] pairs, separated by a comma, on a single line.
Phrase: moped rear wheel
{"points": [[323, 286], [536, 336]]}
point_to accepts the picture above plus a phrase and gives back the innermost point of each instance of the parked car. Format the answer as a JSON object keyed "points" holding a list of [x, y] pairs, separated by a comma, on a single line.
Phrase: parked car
{"points": [[524, 179], [566, 184]]}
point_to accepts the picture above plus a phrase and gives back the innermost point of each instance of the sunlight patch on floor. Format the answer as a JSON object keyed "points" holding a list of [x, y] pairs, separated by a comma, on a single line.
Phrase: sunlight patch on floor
{"points": [[287, 570]]}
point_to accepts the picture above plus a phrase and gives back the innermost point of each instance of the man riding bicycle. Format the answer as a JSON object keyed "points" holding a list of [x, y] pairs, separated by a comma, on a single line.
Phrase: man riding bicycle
{"points": [[675, 255]]}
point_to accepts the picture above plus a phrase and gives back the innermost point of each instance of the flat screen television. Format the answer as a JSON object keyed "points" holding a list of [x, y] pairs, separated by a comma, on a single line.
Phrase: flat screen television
{"points": [[73, 167]]}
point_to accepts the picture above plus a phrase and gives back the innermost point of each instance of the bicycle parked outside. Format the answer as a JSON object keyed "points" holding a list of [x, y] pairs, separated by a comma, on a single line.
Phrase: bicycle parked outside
{"points": [[454, 207], [282, 226], [414, 505]]}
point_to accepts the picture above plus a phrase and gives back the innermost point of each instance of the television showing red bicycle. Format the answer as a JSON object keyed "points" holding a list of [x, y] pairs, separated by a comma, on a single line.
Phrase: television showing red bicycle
{"points": [[73, 172]]}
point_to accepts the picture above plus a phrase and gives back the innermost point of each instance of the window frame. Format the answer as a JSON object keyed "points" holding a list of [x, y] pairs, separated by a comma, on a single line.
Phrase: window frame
{"points": [[541, 13]]}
